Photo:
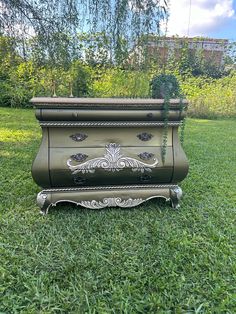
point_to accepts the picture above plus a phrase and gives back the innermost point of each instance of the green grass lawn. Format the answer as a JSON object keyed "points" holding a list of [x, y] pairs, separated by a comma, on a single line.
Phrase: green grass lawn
{"points": [[149, 259]]}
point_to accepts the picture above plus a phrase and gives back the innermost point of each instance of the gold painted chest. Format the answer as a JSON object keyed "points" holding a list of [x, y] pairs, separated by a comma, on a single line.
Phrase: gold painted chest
{"points": [[108, 152]]}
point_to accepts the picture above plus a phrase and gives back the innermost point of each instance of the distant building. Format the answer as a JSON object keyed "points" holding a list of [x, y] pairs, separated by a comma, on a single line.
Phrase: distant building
{"points": [[213, 50]]}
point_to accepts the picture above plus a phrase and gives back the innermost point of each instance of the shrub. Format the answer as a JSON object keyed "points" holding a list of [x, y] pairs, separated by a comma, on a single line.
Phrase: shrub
{"points": [[211, 98], [20, 80], [120, 83], [165, 85], [23, 81]]}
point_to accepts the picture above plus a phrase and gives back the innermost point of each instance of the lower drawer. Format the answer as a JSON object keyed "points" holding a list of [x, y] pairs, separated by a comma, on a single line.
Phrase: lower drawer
{"points": [[110, 165]]}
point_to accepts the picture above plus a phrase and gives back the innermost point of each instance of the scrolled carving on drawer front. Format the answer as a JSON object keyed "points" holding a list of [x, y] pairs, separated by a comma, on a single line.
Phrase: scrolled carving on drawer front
{"points": [[113, 161]]}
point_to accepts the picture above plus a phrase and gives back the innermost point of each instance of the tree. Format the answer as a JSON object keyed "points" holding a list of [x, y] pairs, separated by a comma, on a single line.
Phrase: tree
{"points": [[122, 20]]}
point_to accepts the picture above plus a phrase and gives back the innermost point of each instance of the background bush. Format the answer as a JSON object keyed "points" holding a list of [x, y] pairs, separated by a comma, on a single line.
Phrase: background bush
{"points": [[210, 96]]}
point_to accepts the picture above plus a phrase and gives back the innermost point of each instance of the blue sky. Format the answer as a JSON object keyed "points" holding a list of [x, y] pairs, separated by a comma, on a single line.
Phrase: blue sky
{"points": [[209, 18]]}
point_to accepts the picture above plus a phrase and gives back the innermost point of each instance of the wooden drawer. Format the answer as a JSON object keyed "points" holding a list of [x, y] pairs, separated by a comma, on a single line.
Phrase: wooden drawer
{"points": [[102, 166], [65, 179], [99, 137]]}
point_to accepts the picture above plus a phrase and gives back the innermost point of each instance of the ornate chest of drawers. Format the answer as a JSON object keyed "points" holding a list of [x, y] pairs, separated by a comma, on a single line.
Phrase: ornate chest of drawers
{"points": [[108, 152]]}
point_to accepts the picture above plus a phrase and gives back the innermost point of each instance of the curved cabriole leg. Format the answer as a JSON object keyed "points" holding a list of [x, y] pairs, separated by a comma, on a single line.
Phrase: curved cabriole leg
{"points": [[175, 196], [43, 202]]}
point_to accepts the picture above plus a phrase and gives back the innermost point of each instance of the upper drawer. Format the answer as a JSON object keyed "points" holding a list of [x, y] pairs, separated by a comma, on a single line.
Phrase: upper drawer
{"points": [[99, 137]]}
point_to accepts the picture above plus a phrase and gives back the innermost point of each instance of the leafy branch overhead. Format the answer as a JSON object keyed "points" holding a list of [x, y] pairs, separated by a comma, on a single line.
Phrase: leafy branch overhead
{"points": [[60, 22]]}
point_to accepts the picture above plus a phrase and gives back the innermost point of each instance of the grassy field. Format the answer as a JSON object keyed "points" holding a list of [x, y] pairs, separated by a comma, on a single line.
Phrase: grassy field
{"points": [[150, 259]]}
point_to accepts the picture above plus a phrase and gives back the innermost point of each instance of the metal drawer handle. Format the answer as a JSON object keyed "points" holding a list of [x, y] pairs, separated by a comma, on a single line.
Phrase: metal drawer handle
{"points": [[78, 137], [145, 136], [79, 157], [145, 178], [146, 156], [79, 180]]}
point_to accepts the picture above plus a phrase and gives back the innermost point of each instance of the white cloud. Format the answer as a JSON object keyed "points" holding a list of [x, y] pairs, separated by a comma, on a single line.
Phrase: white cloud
{"points": [[205, 16]]}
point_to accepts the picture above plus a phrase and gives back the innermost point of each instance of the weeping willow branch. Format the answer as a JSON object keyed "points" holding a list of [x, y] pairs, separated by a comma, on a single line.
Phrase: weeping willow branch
{"points": [[123, 22]]}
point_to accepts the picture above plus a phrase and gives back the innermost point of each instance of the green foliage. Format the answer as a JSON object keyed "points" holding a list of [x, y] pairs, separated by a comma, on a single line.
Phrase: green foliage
{"points": [[95, 48], [81, 76], [150, 259], [211, 98], [116, 82], [21, 79], [58, 54], [165, 85], [197, 65], [53, 26]]}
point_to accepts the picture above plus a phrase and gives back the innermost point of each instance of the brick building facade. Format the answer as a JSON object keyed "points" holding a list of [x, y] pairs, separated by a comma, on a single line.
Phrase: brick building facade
{"points": [[213, 50]]}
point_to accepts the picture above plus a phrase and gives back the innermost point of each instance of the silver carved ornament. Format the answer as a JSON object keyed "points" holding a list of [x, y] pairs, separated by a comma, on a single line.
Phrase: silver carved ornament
{"points": [[113, 161], [112, 202], [175, 196], [41, 199]]}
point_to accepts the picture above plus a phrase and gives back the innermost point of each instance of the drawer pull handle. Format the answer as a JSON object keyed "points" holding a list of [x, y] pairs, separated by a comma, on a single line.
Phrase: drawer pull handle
{"points": [[79, 157], [79, 180], [145, 178], [78, 137], [145, 136], [150, 115], [146, 156]]}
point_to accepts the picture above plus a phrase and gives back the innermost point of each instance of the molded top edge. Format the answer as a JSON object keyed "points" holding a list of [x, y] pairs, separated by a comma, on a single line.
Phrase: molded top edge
{"points": [[102, 101]]}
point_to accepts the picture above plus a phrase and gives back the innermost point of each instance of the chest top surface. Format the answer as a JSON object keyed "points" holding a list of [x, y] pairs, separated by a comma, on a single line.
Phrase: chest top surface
{"points": [[107, 109], [105, 103]]}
